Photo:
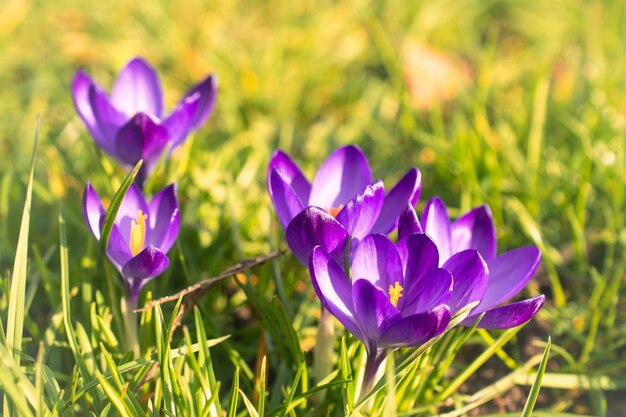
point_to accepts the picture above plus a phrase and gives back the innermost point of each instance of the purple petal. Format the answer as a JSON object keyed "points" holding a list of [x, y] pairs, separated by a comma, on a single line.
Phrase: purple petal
{"points": [[437, 225], [419, 255], [372, 309], [80, 94], [286, 201], [417, 329], [376, 260], [141, 138], [469, 272], [178, 123], [81, 85], [291, 173], [146, 265], [475, 230], [131, 204], [138, 89], [345, 173], [402, 194], [408, 223], [435, 288], [313, 227], [510, 315], [164, 219], [207, 91], [108, 119], [417, 192], [334, 289], [92, 210], [508, 274], [360, 213], [118, 250]]}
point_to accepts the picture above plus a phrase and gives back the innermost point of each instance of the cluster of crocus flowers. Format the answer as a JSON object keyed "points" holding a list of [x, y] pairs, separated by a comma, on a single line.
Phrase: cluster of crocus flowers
{"points": [[142, 234], [130, 124], [400, 295]]}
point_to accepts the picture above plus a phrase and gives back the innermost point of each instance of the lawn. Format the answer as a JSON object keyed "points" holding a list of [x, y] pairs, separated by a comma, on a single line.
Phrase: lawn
{"points": [[515, 104]]}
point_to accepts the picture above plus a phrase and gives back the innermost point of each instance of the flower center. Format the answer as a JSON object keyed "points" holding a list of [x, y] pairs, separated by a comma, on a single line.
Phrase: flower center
{"points": [[138, 233], [334, 211], [395, 292]]}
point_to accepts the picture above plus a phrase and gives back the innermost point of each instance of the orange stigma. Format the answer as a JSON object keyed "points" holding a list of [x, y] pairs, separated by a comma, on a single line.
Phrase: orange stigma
{"points": [[395, 292], [334, 211]]}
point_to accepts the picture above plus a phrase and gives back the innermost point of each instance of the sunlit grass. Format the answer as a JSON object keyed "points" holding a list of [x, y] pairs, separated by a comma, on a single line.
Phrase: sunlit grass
{"points": [[535, 129]]}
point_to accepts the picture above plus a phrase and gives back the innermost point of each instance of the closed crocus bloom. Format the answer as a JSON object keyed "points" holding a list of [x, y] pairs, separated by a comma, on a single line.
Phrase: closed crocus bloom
{"points": [[397, 296], [342, 201], [130, 124], [141, 236], [508, 273]]}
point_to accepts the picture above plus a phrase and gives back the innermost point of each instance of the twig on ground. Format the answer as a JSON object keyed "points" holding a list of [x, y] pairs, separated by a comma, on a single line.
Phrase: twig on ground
{"points": [[200, 287]]}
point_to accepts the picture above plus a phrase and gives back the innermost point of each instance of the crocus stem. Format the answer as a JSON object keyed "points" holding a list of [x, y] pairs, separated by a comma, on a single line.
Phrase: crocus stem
{"points": [[130, 324], [323, 353], [372, 364]]}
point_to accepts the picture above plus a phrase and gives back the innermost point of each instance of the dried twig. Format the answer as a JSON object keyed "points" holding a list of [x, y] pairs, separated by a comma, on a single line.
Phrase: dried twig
{"points": [[200, 287]]}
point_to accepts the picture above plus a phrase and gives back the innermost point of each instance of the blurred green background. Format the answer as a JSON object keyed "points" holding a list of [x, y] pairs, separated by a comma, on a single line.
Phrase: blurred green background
{"points": [[517, 104]]}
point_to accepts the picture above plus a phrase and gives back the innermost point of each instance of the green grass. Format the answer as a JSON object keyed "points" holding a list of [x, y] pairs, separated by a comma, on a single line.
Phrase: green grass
{"points": [[538, 133]]}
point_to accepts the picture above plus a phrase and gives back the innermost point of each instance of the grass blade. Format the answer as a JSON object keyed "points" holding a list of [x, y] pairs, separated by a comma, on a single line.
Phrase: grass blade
{"points": [[204, 359], [495, 390], [39, 382], [116, 202], [15, 319], [534, 391], [261, 387], [478, 362], [114, 397], [536, 134], [234, 395], [65, 289], [251, 410], [348, 388], [294, 386]]}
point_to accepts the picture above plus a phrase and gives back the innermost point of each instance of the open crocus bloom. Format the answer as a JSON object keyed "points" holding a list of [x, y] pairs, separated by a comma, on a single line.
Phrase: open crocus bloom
{"points": [[130, 124], [508, 272], [142, 233], [342, 201], [397, 297]]}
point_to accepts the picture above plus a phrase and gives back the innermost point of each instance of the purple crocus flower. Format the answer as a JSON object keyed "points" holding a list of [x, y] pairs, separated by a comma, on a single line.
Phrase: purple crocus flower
{"points": [[397, 296], [508, 273], [142, 233], [130, 123], [343, 201]]}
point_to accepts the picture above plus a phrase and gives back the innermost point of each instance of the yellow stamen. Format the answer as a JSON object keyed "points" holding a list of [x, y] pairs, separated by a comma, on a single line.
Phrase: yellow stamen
{"points": [[138, 233], [395, 292], [334, 211]]}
